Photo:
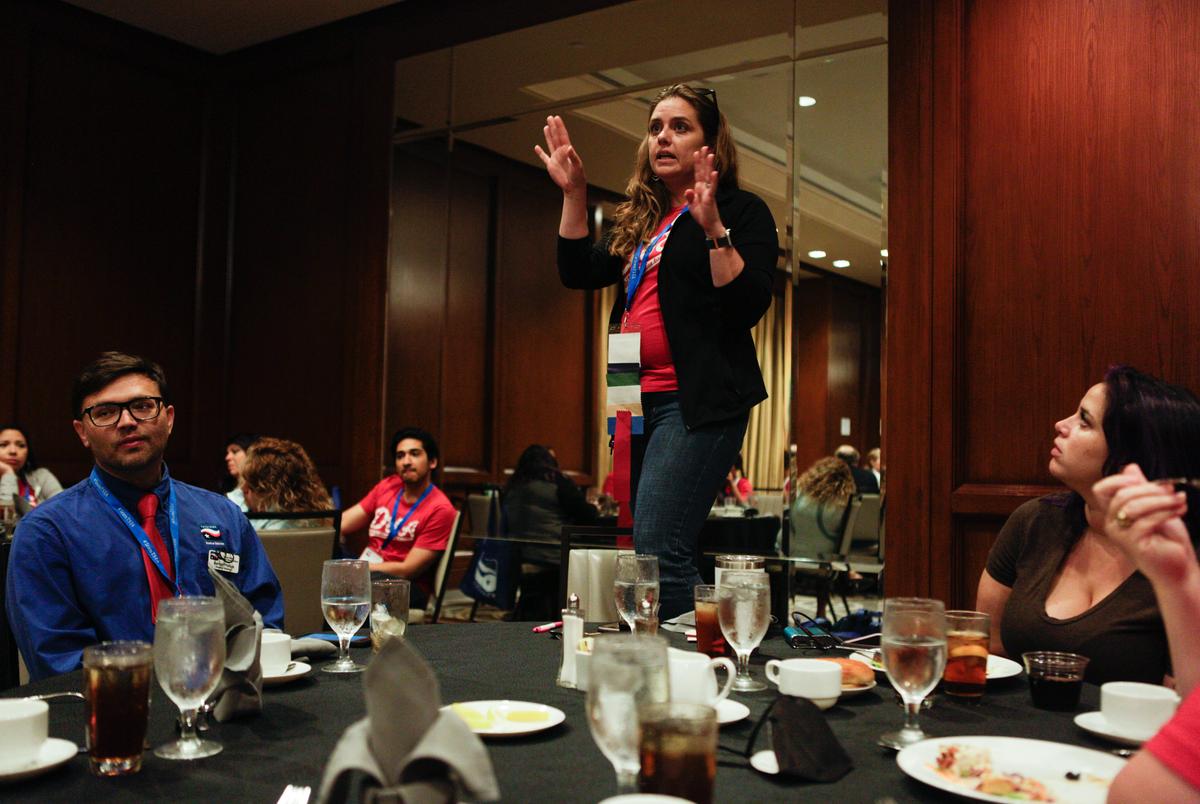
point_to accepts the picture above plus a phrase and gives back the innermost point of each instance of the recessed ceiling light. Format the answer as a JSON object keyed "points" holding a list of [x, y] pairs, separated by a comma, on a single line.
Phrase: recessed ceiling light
{"points": [[883, 252], [807, 100], [841, 263], [817, 254]]}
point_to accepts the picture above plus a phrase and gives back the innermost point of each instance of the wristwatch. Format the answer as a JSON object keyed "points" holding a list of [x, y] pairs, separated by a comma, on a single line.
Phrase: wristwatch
{"points": [[724, 241]]}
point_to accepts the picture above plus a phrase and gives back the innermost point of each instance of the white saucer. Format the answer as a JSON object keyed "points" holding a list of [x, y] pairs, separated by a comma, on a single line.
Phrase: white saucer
{"points": [[850, 692], [54, 753], [644, 798], [731, 711], [1096, 723], [299, 669], [765, 762]]}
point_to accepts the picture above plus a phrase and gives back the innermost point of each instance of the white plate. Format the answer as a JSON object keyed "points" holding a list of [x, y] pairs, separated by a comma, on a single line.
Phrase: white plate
{"points": [[644, 798], [850, 692], [54, 753], [731, 711], [1037, 759], [507, 718], [997, 666], [1097, 724], [299, 669], [765, 762]]}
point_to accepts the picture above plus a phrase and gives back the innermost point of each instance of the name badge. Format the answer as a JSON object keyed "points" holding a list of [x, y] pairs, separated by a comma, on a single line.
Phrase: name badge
{"points": [[224, 561], [371, 557]]}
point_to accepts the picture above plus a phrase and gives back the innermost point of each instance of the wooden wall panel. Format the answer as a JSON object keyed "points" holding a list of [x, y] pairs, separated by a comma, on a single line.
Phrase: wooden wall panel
{"points": [[810, 369], [1042, 228]]}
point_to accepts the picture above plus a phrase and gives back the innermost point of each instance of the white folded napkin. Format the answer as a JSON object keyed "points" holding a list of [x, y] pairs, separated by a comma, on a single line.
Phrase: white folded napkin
{"points": [[405, 745], [239, 692]]}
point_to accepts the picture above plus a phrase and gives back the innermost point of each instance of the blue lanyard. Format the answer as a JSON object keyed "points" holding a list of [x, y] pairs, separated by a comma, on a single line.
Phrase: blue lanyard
{"points": [[641, 256], [136, 529], [396, 507]]}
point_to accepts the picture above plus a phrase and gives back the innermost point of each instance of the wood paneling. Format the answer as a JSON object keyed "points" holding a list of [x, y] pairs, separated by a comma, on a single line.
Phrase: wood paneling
{"points": [[1042, 228]]}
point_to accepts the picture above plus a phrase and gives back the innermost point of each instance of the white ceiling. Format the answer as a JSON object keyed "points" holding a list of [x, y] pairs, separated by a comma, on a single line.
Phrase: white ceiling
{"points": [[222, 26]]}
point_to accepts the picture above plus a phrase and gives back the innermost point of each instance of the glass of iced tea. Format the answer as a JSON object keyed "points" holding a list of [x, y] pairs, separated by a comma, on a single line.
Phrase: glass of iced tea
{"points": [[389, 610], [709, 638], [967, 637], [678, 750], [116, 688]]}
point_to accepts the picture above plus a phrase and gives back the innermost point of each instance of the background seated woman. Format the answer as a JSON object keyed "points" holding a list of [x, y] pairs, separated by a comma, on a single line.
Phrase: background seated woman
{"points": [[19, 473], [1053, 581], [817, 516], [278, 475]]}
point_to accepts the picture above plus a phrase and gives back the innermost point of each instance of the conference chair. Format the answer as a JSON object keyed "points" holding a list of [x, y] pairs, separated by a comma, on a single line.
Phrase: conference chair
{"points": [[298, 555], [441, 576]]}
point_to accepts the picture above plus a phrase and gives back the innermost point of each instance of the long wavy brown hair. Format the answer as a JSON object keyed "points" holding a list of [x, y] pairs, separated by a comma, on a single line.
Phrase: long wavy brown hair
{"points": [[281, 477], [637, 218], [827, 480]]}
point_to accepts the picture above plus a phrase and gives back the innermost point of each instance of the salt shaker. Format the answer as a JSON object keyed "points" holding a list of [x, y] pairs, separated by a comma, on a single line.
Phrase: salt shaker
{"points": [[572, 633]]}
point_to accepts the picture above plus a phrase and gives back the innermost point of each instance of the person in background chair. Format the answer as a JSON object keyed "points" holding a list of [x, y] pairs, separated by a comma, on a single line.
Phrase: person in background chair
{"points": [[92, 564], [278, 476], [407, 519], [20, 475], [875, 465], [235, 455], [864, 479], [737, 485]]}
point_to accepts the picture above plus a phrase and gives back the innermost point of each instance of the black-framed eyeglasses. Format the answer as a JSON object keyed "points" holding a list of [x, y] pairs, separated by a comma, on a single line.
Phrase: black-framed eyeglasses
{"points": [[710, 94], [142, 409]]}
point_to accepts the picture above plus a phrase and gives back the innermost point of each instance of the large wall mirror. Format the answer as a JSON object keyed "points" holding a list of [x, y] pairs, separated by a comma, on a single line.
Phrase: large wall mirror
{"points": [[504, 355]]}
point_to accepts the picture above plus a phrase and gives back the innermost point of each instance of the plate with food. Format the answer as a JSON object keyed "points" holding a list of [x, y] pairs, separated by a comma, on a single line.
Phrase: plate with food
{"points": [[506, 718], [857, 678], [997, 666], [1008, 768]]}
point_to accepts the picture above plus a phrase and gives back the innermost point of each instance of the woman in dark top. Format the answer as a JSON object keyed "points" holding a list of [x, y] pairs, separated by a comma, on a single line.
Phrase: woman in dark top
{"points": [[1053, 580], [538, 500], [693, 256]]}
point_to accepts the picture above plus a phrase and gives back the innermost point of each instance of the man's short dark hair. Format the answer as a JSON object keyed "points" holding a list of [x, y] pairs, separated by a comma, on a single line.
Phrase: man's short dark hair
{"points": [[428, 443], [110, 366]]}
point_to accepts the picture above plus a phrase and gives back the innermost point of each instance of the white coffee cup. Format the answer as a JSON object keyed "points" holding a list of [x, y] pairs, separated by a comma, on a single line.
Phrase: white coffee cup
{"points": [[694, 680], [276, 653], [1136, 708], [818, 681], [24, 727]]}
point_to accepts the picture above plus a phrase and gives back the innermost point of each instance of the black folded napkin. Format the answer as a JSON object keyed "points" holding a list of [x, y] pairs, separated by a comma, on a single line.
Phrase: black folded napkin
{"points": [[804, 745]]}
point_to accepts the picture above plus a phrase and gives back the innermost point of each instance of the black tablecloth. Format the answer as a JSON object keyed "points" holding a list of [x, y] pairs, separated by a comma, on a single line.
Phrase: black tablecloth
{"points": [[290, 741]]}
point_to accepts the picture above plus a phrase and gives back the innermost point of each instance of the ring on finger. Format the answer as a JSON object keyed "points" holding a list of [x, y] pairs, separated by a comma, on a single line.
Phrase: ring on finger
{"points": [[1122, 518]]}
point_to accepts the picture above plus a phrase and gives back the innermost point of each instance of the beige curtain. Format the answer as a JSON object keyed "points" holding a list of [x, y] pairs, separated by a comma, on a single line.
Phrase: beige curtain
{"points": [[767, 433]]}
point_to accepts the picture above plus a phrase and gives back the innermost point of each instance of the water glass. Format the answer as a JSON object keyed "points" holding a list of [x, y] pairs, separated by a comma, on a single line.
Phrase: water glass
{"points": [[914, 654], [626, 672], [116, 689], [736, 562], [635, 580], [678, 749], [389, 610], [345, 601], [189, 655], [744, 612]]}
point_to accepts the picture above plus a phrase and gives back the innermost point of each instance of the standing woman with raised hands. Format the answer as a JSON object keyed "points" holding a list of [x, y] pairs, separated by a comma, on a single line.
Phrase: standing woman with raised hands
{"points": [[693, 255]]}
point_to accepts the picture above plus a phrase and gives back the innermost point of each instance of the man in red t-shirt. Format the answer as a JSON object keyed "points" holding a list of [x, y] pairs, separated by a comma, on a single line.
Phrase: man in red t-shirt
{"points": [[409, 518]]}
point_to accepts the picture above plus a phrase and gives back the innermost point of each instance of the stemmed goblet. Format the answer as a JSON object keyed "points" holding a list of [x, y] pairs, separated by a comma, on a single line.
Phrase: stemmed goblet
{"points": [[189, 654], [627, 671], [636, 580], [345, 602], [744, 612], [914, 654]]}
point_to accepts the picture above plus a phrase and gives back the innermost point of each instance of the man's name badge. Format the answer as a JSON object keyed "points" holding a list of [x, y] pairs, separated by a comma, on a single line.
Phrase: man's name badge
{"points": [[371, 557], [224, 561]]}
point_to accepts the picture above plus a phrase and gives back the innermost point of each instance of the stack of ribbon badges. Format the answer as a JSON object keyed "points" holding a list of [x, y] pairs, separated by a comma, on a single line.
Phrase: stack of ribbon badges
{"points": [[623, 407]]}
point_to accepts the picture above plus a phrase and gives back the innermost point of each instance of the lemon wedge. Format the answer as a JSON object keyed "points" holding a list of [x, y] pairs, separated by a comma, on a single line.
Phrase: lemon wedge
{"points": [[527, 715], [474, 718]]}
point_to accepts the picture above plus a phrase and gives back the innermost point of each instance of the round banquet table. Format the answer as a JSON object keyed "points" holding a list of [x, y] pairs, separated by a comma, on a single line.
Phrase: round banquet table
{"points": [[289, 742]]}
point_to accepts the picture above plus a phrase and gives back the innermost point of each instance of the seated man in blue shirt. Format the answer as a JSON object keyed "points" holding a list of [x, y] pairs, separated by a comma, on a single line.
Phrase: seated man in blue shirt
{"points": [[92, 563]]}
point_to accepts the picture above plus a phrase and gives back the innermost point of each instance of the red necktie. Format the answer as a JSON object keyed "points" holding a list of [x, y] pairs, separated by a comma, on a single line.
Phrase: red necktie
{"points": [[159, 588]]}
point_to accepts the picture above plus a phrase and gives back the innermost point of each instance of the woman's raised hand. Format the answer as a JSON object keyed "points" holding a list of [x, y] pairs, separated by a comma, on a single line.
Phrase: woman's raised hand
{"points": [[561, 161], [702, 196], [1143, 518]]}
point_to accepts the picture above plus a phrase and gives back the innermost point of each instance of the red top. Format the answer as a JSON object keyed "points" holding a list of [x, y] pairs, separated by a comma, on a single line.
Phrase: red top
{"points": [[1176, 745], [645, 316], [428, 528]]}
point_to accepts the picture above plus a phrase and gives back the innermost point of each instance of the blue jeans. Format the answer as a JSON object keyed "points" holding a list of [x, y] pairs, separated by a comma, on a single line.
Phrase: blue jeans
{"points": [[680, 473]]}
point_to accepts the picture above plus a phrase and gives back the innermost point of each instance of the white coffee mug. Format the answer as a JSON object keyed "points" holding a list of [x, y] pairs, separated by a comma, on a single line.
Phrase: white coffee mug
{"points": [[818, 681], [24, 727], [1136, 708], [276, 653], [694, 680]]}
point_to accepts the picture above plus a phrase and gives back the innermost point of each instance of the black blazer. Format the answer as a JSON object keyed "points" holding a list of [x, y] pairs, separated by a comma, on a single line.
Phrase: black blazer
{"points": [[708, 328]]}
